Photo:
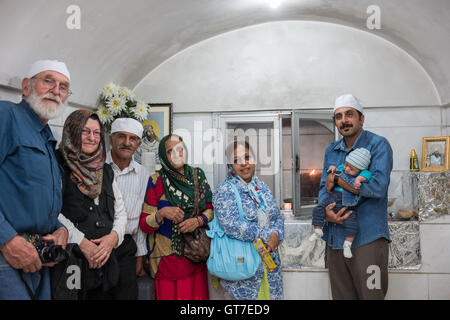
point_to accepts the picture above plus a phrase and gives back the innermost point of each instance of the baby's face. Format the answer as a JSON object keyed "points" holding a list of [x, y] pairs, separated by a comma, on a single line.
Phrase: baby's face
{"points": [[351, 170]]}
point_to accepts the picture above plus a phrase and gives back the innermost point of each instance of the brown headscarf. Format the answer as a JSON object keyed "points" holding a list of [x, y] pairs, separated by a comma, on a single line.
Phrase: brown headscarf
{"points": [[87, 170]]}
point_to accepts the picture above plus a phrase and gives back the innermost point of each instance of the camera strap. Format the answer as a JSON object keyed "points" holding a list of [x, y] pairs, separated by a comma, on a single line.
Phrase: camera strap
{"points": [[30, 292]]}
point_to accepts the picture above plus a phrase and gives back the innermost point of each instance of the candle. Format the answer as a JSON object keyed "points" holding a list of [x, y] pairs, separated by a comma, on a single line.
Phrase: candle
{"points": [[287, 206]]}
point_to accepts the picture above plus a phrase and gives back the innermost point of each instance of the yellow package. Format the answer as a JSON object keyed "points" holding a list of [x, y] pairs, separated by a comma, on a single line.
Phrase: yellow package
{"points": [[259, 245]]}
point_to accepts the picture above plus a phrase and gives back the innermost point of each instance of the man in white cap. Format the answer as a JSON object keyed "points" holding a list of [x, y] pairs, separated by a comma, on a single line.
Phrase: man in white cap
{"points": [[132, 179], [365, 276], [30, 200]]}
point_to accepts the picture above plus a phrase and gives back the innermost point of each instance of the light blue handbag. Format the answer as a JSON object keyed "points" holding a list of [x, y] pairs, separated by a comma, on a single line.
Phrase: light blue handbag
{"points": [[230, 258]]}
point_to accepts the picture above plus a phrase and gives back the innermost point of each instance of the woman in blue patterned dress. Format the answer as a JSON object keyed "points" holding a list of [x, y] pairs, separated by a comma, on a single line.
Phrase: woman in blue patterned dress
{"points": [[264, 220]]}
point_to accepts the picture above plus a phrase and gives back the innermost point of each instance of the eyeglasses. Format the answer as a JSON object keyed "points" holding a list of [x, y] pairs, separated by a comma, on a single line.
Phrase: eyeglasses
{"points": [[244, 160], [87, 132], [176, 150], [49, 83]]}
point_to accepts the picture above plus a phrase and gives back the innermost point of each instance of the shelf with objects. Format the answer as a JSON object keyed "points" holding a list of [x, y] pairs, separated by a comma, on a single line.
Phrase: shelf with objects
{"points": [[423, 197]]}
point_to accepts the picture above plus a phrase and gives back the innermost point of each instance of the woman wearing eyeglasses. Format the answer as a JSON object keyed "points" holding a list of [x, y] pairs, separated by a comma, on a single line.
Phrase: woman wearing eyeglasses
{"points": [[93, 210], [263, 220]]}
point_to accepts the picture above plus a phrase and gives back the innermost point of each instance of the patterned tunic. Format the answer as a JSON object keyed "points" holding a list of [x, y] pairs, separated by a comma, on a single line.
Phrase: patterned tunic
{"points": [[163, 262], [226, 211]]}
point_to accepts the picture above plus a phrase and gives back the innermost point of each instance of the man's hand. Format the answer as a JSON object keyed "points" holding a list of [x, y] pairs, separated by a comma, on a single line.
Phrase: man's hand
{"points": [[140, 272], [338, 217], [329, 184], [59, 237], [21, 254]]}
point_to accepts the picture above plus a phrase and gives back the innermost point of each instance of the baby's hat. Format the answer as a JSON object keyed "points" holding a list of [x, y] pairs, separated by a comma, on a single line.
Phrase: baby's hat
{"points": [[360, 158]]}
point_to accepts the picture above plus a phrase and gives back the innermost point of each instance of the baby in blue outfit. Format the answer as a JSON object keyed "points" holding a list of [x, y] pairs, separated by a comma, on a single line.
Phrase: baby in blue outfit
{"points": [[354, 172]]}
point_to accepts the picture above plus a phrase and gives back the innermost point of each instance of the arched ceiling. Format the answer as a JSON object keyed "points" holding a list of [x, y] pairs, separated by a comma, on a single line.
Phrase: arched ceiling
{"points": [[123, 41]]}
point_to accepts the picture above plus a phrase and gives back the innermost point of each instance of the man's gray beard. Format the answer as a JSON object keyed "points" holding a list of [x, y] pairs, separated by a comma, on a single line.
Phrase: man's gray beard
{"points": [[45, 110]]}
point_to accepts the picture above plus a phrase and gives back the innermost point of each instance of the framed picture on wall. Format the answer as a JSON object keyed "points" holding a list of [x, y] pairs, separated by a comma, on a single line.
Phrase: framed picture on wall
{"points": [[435, 153], [158, 124]]}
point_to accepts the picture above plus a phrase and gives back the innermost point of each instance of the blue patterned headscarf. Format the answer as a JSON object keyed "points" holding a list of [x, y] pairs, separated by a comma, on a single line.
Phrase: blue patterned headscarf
{"points": [[255, 193]]}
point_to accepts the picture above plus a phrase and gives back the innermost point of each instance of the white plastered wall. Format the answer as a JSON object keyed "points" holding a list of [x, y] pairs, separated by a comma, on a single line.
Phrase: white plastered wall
{"points": [[289, 64], [304, 65]]}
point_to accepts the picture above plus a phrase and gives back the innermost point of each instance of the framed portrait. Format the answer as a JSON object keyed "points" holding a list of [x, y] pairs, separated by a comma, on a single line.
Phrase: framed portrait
{"points": [[158, 124], [435, 153]]}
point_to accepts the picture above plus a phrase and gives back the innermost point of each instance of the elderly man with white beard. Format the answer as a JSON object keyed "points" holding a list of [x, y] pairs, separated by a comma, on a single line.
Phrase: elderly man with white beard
{"points": [[30, 178]]}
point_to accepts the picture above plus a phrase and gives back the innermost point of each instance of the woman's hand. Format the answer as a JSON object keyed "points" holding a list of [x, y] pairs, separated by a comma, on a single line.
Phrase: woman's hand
{"points": [[273, 242], [89, 249], [188, 225], [172, 213], [105, 246]]}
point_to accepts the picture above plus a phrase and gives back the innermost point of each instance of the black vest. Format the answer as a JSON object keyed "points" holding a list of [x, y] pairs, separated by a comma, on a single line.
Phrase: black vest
{"points": [[93, 220]]}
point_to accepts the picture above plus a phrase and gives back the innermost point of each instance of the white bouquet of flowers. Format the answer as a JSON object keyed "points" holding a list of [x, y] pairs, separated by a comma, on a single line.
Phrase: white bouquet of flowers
{"points": [[119, 102]]}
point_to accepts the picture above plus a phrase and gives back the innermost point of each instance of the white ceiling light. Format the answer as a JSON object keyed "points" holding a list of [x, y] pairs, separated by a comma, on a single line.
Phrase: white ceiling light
{"points": [[274, 3]]}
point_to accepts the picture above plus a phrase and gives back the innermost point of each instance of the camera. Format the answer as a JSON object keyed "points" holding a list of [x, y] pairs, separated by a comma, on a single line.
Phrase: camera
{"points": [[47, 250]]}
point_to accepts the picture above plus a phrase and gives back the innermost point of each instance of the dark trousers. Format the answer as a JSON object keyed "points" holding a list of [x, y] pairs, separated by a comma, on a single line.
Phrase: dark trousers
{"points": [[126, 288], [364, 276]]}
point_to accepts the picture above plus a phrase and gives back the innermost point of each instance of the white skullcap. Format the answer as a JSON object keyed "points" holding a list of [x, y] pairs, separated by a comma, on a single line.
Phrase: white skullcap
{"points": [[128, 125], [48, 65], [348, 100]]}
